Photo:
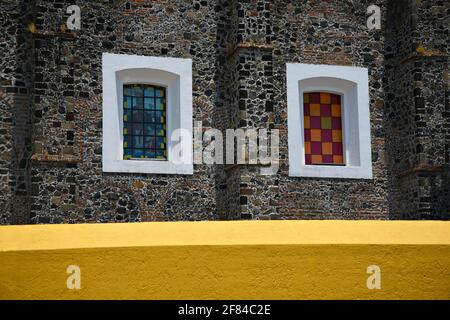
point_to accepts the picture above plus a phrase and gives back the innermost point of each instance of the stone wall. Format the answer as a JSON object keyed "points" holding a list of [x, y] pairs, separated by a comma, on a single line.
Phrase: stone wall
{"points": [[68, 183], [51, 171], [417, 109], [271, 33], [16, 87]]}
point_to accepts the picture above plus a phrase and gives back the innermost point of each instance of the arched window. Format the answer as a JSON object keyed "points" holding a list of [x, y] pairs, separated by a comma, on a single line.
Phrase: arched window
{"points": [[147, 114], [144, 119], [328, 121], [323, 128]]}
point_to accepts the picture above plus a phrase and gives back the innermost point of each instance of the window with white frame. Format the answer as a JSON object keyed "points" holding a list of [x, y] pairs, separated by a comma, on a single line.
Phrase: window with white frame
{"points": [[147, 114], [328, 121]]}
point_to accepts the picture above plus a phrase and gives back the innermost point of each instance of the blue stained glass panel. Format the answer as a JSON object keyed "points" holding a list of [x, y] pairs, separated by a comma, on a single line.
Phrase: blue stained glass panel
{"points": [[138, 103], [149, 116], [149, 103], [149, 91], [149, 129], [144, 121], [138, 116], [160, 104], [138, 142], [137, 91], [138, 153], [137, 129]]}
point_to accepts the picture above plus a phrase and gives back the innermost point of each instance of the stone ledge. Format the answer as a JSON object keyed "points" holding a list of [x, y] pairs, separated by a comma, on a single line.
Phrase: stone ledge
{"points": [[39, 157], [423, 168], [249, 45], [51, 33], [417, 56]]}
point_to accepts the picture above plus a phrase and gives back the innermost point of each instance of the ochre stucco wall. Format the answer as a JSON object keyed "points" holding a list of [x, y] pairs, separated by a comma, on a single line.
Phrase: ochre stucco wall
{"points": [[227, 260]]}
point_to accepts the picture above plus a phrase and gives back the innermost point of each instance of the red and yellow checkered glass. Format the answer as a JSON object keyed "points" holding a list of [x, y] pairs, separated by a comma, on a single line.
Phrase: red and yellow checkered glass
{"points": [[323, 129]]}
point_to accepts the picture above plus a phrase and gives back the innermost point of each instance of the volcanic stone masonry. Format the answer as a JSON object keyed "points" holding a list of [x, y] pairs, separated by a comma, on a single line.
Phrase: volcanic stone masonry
{"points": [[51, 107]]}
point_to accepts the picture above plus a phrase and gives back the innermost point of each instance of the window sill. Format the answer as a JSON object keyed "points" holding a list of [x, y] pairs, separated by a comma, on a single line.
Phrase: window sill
{"points": [[324, 171], [147, 166]]}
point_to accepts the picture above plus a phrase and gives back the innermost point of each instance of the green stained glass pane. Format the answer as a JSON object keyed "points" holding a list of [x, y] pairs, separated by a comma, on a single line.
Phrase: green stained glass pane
{"points": [[128, 141], [160, 130], [127, 154], [159, 93], [325, 123], [160, 117], [160, 104], [127, 128], [127, 115], [160, 142], [127, 102]]}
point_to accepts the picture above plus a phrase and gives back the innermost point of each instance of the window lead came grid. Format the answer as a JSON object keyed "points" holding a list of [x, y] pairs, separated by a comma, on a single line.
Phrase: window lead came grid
{"points": [[144, 122], [323, 129]]}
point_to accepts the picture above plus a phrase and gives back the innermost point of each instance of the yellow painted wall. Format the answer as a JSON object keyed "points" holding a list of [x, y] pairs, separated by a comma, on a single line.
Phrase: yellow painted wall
{"points": [[227, 260]]}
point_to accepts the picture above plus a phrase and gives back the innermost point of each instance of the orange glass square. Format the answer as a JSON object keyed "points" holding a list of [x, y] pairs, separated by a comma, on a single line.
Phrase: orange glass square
{"points": [[307, 122], [316, 135], [338, 159], [327, 148], [337, 136], [325, 98], [335, 110], [314, 110], [307, 147], [315, 159]]}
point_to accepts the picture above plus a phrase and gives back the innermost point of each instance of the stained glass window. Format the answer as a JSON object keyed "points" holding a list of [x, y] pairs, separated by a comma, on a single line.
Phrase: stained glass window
{"points": [[144, 122], [323, 129]]}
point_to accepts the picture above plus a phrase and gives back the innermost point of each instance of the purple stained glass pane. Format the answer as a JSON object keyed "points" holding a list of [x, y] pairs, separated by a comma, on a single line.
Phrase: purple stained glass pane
{"points": [[336, 123], [316, 148], [337, 148], [306, 109], [327, 159], [335, 99], [314, 98], [325, 110], [315, 122], [327, 136], [307, 135], [308, 159]]}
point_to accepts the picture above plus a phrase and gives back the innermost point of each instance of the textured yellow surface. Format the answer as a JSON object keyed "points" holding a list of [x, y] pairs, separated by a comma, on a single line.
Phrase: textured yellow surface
{"points": [[227, 260]]}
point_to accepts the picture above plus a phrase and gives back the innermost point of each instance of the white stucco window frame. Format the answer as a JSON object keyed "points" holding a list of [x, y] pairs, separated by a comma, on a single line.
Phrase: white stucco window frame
{"points": [[175, 74], [352, 83]]}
